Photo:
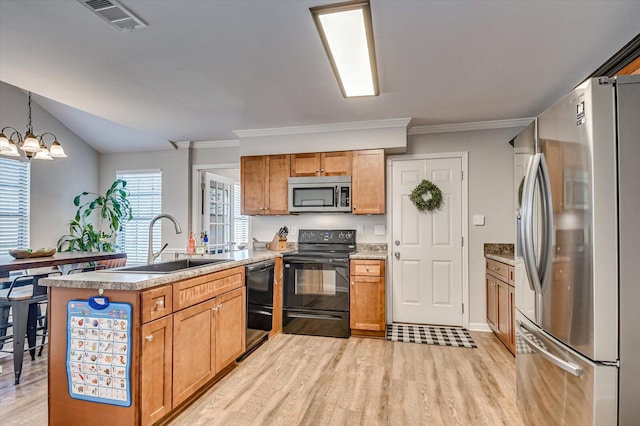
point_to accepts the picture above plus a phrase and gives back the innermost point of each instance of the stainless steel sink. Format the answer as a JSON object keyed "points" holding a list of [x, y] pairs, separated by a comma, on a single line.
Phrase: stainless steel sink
{"points": [[168, 267]]}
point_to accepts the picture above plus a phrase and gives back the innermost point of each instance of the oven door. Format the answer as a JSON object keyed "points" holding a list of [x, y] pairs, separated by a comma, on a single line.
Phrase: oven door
{"points": [[316, 283]]}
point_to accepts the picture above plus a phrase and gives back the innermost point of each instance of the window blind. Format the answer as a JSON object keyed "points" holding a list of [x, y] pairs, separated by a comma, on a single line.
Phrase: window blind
{"points": [[145, 196], [240, 222], [15, 188]]}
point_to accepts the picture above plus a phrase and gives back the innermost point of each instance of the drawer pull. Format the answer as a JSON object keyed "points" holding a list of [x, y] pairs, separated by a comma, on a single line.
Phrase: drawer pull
{"points": [[160, 303], [149, 338]]}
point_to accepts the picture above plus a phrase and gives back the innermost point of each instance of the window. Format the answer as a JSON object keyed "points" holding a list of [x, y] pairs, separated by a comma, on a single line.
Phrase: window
{"points": [[240, 222], [221, 218], [15, 187], [145, 196]]}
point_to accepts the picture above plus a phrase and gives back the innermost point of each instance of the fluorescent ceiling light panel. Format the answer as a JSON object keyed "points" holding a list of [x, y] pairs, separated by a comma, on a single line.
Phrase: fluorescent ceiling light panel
{"points": [[347, 36]]}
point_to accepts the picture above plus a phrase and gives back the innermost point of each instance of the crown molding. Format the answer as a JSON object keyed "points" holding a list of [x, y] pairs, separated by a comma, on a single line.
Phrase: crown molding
{"points": [[466, 127], [181, 144], [215, 144], [324, 128]]}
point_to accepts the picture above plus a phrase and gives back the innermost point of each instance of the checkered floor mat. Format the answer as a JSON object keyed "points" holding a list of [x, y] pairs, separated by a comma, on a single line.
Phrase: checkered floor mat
{"points": [[523, 348], [444, 336]]}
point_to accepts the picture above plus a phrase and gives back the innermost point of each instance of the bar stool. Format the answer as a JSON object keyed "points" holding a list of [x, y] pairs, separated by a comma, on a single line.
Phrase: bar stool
{"points": [[22, 297]]}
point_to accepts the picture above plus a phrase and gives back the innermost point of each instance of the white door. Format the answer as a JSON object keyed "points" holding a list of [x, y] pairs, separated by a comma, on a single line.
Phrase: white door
{"points": [[427, 246]]}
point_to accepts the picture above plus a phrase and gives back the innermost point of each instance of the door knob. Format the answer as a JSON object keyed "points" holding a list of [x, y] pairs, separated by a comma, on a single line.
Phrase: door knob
{"points": [[397, 255], [396, 242]]}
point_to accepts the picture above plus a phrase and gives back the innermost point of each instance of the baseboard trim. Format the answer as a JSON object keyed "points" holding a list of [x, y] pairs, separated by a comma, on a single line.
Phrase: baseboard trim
{"points": [[479, 326]]}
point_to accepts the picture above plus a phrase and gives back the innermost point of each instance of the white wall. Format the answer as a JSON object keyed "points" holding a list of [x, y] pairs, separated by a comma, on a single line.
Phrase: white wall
{"points": [[175, 181], [264, 227], [387, 134], [55, 183], [490, 194]]}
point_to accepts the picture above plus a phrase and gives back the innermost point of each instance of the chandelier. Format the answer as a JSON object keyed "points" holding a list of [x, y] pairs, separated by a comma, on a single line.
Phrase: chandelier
{"points": [[33, 146]]}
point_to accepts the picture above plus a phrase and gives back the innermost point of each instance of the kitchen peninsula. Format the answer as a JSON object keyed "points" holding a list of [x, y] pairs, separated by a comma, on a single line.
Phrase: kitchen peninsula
{"points": [[165, 339]]}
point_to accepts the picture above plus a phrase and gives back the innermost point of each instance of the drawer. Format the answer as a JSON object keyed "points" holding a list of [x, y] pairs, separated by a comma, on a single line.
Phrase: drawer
{"points": [[156, 303], [372, 268], [498, 269], [196, 290]]}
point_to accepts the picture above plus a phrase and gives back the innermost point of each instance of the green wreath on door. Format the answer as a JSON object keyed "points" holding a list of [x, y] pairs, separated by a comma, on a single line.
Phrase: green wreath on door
{"points": [[429, 204]]}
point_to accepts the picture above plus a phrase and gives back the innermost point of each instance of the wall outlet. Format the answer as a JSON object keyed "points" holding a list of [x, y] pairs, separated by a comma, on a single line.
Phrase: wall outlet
{"points": [[293, 231], [360, 230], [379, 230]]}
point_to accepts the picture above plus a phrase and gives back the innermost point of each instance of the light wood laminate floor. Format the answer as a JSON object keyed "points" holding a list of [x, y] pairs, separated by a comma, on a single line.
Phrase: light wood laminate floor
{"points": [[305, 380]]}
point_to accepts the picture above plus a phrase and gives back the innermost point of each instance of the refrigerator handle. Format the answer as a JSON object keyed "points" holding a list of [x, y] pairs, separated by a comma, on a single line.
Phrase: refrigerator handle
{"points": [[546, 255], [567, 366], [526, 223]]}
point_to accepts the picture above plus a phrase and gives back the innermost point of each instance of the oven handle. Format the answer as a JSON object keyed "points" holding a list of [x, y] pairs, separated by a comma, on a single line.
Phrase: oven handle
{"points": [[315, 260], [267, 313], [314, 316]]}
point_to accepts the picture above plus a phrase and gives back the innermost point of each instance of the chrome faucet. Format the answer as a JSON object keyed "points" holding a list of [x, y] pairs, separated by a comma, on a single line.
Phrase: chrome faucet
{"points": [[151, 256]]}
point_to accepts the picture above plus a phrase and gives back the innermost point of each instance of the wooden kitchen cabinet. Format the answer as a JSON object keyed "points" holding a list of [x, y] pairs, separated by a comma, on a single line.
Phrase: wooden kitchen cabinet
{"points": [[492, 301], [321, 164], [155, 369], [264, 184], [185, 335], [501, 301], [194, 339], [276, 326], [367, 298], [230, 327], [367, 182]]}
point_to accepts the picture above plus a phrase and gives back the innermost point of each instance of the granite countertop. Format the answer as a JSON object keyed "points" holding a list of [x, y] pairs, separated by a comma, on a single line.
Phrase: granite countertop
{"points": [[141, 281], [369, 254], [502, 257]]}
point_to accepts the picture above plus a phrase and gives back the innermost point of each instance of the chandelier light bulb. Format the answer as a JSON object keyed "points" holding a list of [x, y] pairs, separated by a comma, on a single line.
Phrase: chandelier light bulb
{"points": [[13, 149], [30, 143], [56, 150]]}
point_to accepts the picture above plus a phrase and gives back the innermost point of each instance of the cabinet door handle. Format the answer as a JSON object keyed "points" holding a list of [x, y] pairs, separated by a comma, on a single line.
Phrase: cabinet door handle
{"points": [[215, 308], [353, 283], [219, 306], [149, 338], [322, 170]]}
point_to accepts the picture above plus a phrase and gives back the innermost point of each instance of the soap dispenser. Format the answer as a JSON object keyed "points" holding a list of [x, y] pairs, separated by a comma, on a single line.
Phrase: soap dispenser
{"points": [[191, 244]]}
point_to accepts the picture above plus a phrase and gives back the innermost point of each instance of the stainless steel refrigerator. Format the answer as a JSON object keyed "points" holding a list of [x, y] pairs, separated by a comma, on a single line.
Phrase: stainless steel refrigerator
{"points": [[577, 170]]}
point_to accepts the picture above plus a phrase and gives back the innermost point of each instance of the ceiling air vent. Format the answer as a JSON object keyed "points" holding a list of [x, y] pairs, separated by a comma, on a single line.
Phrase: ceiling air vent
{"points": [[114, 13]]}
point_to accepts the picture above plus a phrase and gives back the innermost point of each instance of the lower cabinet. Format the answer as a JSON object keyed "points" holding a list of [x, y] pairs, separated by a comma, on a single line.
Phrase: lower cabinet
{"points": [[184, 349], [155, 369], [501, 302], [367, 298], [193, 349], [230, 327]]}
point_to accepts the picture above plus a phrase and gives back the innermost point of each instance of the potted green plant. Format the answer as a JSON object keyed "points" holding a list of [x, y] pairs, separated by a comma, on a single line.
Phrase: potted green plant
{"points": [[90, 233]]}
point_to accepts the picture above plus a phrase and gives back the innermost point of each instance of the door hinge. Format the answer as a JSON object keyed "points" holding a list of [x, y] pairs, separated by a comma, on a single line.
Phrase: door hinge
{"points": [[462, 174], [463, 308], [462, 241]]}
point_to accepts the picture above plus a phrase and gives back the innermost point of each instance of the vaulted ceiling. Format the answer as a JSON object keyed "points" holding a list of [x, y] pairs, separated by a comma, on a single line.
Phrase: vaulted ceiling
{"points": [[202, 69]]}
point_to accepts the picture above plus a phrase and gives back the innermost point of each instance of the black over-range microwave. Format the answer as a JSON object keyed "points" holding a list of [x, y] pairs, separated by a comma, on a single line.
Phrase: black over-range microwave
{"points": [[320, 194]]}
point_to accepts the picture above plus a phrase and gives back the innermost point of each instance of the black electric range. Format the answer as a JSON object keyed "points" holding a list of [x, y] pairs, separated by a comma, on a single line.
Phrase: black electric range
{"points": [[316, 283]]}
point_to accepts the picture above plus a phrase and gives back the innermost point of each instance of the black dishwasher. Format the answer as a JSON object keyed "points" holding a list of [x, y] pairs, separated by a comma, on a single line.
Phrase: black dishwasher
{"points": [[259, 279]]}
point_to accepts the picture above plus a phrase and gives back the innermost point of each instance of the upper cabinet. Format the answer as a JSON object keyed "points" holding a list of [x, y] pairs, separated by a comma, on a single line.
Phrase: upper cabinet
{"points": [[264, 179], [367, 182], [321, 164], [264, 184]]}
